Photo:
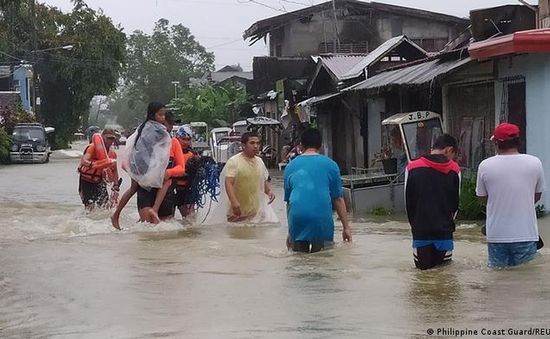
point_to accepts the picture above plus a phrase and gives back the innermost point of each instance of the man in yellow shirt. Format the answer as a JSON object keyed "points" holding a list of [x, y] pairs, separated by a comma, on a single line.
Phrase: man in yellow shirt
{"points": [[247, 180]]}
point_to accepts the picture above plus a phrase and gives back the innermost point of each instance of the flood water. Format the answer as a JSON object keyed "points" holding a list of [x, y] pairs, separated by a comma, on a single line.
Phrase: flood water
{"points": [[65, 274]]}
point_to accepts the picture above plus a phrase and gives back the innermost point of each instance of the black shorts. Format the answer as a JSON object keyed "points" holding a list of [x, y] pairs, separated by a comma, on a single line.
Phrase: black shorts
{"points": [[147, 198], [311, 246], [427, 257], [93, 194], [183, 196]]}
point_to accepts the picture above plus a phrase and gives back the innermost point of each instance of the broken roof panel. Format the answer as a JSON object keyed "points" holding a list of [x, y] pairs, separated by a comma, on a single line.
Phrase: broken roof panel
{"points": [[408, 49], [416, 74], [261, 28], [340, 65]]}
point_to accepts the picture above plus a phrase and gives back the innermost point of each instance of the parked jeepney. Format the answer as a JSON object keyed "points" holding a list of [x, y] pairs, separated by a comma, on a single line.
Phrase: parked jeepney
{"points": [[407, 136]]}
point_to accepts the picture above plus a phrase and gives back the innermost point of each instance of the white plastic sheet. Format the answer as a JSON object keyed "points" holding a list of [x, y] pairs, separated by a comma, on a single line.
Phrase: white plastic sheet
{"points": [[146, 160]]}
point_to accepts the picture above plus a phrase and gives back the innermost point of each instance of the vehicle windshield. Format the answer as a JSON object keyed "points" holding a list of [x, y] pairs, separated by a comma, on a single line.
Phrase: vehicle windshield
{"points": [[219, 135], [28, 134], [420, 136]]}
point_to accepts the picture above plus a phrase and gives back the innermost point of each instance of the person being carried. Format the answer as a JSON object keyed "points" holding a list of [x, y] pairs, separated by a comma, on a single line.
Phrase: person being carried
{"points": [[313, 186], [432, 186], [147, 166], [98, 168], [510, 184], [245, 176]]}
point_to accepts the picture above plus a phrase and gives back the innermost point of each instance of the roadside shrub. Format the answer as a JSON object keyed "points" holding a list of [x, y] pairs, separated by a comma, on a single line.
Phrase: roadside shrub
{"points": [[470, 208], [5, 144]]}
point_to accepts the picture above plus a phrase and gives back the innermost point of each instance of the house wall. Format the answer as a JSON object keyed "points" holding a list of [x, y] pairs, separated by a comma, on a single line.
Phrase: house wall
{"points": [[303, 38], [23, 79], [324, 122], [376, 107], [535, 68]]}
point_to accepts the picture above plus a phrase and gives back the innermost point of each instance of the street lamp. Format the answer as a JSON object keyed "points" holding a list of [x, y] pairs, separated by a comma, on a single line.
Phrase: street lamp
{"points": [[66, 47], [36, 99], [176, 84]]}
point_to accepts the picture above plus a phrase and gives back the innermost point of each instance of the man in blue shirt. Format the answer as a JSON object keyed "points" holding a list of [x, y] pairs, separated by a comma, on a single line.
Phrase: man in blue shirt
{"points": [[313, 185]]}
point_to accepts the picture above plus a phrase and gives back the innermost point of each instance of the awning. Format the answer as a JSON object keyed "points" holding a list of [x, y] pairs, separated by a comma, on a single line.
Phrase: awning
{"points": [[531, 41], [318, 99], [410, 76]]}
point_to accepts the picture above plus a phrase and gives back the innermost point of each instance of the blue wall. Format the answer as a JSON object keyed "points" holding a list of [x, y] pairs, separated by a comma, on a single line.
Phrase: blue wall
{"points": [[536, 70], [23, 75]]}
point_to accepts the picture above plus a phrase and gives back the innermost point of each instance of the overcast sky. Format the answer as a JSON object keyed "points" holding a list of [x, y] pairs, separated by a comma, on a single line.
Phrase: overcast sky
{"points": [[219, 24]]}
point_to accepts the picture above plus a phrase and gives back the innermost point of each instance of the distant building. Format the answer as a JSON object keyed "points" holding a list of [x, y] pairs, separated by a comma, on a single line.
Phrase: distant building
{"points": [[233, 75], [18, 79], [354, 27]]}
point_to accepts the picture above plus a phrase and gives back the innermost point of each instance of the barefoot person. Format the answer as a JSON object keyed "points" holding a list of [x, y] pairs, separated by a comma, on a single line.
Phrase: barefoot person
{"points": [[313, 185], [246, 179], [148, 151]]}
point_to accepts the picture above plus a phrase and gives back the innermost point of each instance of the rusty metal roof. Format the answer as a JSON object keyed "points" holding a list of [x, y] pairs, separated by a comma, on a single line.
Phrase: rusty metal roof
{"points": [[414, 75]]}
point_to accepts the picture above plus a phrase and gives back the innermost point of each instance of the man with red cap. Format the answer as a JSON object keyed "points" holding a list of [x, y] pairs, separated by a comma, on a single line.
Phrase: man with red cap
{"points": [[510, 184]]}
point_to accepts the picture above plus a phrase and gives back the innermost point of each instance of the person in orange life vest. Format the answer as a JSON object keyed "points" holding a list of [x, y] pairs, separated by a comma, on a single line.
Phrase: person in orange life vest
{"points": [[97, 168], [162, 200], [183, 199]]}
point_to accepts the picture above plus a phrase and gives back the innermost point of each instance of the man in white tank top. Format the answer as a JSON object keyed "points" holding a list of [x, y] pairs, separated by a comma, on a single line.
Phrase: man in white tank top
{"points": [[510, 184]]}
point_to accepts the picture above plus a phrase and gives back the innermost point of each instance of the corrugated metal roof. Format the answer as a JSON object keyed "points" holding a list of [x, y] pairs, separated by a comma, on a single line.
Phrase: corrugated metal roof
{"points": [[222, 76], [413, 75], [378, 54], [318, 99], [339, 65]]}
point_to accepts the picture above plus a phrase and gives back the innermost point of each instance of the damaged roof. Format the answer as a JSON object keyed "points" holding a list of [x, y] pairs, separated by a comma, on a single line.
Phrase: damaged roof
{"points": [[340, 65], [261, 28], [404, 47], [414, 75]]}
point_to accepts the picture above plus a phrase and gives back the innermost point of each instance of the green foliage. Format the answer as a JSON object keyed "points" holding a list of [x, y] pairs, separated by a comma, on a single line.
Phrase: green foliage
{"points": [[540, 210], [68, 79], [68, 83], [216, 105], [5, 144], [171, 53], [129, 112], [470, 208], [381, 211], [15, 115]]}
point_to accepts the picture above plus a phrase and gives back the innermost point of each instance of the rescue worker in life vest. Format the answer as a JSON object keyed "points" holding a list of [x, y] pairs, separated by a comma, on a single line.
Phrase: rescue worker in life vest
{"points": [[97, 169], [184, 200]]}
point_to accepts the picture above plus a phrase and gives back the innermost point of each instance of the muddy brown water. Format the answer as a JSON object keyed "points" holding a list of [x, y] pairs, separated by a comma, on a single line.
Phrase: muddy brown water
{"points": [[66, 274]]}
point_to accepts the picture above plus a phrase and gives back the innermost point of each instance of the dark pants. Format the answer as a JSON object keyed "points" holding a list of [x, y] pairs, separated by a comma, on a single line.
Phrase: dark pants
{"points": [[147, 199], [93, 194], [427, 257], [310, 246]]}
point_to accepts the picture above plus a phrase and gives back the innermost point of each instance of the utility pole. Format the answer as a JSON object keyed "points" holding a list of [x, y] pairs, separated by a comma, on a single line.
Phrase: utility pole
{"points": [[336, 41], [34, 68]]}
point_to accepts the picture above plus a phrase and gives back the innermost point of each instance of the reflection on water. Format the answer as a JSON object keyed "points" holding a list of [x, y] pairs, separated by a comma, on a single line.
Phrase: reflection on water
{"points": [[68, 274]]}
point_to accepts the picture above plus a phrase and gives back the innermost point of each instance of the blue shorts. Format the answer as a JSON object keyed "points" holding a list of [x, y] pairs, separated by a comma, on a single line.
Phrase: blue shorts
{"points": [[511, 254]]}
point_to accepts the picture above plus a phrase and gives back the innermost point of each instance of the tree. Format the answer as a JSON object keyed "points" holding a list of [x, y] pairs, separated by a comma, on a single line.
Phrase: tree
{"points": [[216, 105], [171, 53], [68, 80], [68, 83], [129, 112]]}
